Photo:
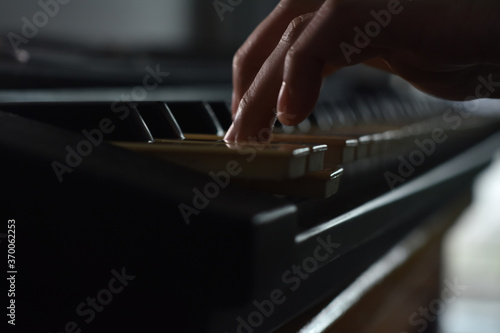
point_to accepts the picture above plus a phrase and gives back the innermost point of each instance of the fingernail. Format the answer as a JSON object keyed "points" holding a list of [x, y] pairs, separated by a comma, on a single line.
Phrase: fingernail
{"points": [[283, 102], [233, 104], [229, 137]]}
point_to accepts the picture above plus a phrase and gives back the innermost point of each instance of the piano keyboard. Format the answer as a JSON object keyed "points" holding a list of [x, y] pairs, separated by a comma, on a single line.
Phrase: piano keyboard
{"points": [[304, 160], [263, 161]]}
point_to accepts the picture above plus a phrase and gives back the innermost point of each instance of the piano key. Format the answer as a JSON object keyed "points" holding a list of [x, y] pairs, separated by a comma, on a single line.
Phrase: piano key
{"points": [[138, 126], [423, 108], [390, 109], [288, 129], [383, 144], [375, 108], [340, 149], [196, 117], [219, 129], [252, 160], [313, 118], [315, 159], [343, 114], [410, 111], [363, 112], [394, 143], [280, 128], [160, 120], [319, 184], [305, 126], [363, 148], [223, 113], [321, 118]]}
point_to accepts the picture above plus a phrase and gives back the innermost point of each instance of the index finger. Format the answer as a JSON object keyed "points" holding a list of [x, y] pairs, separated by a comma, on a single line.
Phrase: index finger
{"points": [[260, 44]]}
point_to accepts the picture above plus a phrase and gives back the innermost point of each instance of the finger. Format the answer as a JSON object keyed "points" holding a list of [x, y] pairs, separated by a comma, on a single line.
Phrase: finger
{"points": [[261, 43], [256, 113], [322, 42]]}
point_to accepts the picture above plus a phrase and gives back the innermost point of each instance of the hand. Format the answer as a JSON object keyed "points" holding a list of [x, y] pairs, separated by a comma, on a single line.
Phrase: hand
{"points": [[439, 46]]}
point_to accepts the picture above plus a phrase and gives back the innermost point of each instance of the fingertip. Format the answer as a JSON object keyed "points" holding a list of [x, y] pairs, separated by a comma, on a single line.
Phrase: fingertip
{"points": [[282, 106], [230, 134], [250, 129]]}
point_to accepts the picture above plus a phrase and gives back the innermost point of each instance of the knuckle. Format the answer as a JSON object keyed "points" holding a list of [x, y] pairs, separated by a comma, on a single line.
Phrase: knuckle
{"points": [[244, 102], [294, 53], [248, 58]]}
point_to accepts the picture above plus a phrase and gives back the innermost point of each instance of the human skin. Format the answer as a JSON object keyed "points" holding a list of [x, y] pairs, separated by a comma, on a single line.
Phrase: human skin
{"points": [[439, 46]]}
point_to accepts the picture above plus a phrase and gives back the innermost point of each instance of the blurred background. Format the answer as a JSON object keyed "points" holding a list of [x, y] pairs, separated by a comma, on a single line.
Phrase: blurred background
{"points": [[177, 27], [86, 38]]}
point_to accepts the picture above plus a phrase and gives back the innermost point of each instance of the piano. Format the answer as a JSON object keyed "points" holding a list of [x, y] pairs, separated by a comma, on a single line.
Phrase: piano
{"points": [[115, 233], [245, 258]]}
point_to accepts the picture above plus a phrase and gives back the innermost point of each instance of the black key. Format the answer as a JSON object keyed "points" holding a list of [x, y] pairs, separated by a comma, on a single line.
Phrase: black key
{"points": [[160, 121], [363, 111], [390, 109], [138, 126], [305, 126], [223, 114], [343, 114], [320, 117], [283, 129], [196, 117], [374, 105]]}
